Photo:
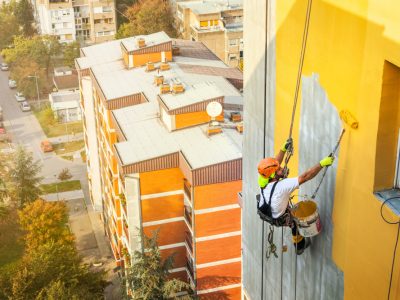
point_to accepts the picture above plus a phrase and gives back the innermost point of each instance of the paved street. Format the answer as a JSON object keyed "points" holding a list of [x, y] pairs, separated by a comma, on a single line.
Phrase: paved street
{"points": [[25, 130]]}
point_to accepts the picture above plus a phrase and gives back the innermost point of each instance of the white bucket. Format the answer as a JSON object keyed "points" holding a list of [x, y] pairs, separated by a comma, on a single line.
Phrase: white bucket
{"points": [[305, 214]]}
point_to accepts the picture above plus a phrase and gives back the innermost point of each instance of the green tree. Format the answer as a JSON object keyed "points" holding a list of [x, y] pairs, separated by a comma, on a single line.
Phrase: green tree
{"points": [[70, 52], [121, 6], [148, 16], [8, 24], [148, 277], [23, 178], [40, 49], [24, 14]]}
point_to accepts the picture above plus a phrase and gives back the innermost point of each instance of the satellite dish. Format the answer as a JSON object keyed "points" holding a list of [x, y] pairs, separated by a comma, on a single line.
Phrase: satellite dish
{"points": [[214, 109]]}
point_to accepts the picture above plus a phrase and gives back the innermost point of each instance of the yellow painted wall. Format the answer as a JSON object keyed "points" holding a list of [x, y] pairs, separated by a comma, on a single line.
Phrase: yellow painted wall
{"points": [[142, 59], [348, 44]]}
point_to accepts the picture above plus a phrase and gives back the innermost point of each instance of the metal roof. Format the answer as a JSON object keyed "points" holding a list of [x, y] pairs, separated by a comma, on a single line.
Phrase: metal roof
{"points": [[151, 40]]}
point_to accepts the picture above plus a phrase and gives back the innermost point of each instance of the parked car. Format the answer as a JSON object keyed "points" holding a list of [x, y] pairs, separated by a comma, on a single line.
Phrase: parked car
{"points": [[46, 146], [12, 84], [25, 106], [4, 67], [20, 97]]}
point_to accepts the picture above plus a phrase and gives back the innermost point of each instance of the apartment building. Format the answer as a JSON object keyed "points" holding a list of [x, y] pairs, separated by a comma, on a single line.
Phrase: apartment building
{"points": [[86, 21], [350, 77], [153, 162], [217, 24]]}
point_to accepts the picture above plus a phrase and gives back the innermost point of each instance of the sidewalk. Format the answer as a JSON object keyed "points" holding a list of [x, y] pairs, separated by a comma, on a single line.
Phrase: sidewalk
{"points": [[66, 138], [64, 196]]}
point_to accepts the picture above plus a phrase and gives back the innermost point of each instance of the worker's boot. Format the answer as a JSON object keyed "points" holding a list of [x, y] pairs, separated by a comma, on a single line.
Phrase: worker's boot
{"points": [[303, 245]]}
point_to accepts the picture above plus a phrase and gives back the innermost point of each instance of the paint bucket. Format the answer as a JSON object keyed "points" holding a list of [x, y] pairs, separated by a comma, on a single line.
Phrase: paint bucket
{"points": [[305, 214]]}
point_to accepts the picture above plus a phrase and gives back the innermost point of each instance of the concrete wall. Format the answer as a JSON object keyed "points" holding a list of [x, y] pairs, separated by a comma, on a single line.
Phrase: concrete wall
{"points": [[348, 45]]}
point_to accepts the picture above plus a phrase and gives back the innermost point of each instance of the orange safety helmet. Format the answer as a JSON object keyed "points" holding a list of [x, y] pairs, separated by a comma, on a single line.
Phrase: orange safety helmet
{"points": [[268, 166]]}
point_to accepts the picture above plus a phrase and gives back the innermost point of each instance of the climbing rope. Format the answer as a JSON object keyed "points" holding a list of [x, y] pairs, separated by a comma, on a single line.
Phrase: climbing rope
{"points": [[326, 169], [272, 247]]}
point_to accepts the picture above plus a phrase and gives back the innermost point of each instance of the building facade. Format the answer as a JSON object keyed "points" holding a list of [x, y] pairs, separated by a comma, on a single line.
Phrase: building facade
{"points": [[217, 24], [86, 21], [155, 167], [350, 77]]}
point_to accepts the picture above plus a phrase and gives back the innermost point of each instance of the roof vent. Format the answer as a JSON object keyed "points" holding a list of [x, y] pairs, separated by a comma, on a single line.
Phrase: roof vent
{"points": [[177, 87], [158, 79], [165, 88], [150, 66], [214, 109], [176, 50], [239, 127], [164, 66], [140, 42], [236, 116]]}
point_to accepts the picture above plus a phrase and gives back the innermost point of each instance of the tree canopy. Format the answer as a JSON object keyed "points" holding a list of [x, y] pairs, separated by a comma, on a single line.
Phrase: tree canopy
{"points": [[23, 179], [70, 52], [146, 17], [148, 277], [9, 25], [24, 14]]}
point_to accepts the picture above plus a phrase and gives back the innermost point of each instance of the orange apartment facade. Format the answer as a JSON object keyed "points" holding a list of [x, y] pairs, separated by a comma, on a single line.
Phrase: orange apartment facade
{"points": [[151, 165]]}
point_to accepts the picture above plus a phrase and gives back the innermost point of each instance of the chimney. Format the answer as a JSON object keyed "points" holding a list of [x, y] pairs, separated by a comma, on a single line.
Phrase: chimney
{"points": [[236, 117], [164, 88], [150, 66], [140, 42], [164, 66], [158, 79], [239, 127], [177, 87]]}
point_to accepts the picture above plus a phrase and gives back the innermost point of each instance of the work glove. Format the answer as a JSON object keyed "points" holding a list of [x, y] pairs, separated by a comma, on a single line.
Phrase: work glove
{"points": [[327, 161], [288, 144]]}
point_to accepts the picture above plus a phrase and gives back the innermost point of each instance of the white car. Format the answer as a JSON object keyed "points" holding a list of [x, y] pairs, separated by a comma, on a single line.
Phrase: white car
{"points": [[25, 106], [4, 67], [20, 97], [12, 84]]}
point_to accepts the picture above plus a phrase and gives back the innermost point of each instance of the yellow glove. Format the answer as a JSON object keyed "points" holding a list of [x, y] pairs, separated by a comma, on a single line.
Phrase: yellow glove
{"points": [[327, 161]]}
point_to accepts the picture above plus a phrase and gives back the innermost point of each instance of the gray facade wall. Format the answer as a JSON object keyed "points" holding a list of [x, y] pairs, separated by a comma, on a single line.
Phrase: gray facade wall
{"points": [[312, 275]]}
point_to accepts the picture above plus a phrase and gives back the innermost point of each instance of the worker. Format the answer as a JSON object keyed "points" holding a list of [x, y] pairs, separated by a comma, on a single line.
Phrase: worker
{"points": [[276, 190]]}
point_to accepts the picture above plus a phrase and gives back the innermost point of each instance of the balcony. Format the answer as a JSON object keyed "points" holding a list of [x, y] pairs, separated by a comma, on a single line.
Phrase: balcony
{"points": [[187, 189], [188, 215], [190, 272], [189, 241]]}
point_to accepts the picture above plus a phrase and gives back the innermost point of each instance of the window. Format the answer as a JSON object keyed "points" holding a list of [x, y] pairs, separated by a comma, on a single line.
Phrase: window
{"points": [[232, 57], [387, 159], [233, 42], [203, 23], [97, 21], [97, 10], [107, 9]]}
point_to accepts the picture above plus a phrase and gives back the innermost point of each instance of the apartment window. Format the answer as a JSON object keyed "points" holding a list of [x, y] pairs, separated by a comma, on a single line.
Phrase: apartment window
{"points": [[387, 159], [98, 10], [107, 9], [232, 57], [97, 21], [85, 20], [108, 20], [233, 42], [65, 25], [204, 24], [104, 33]]}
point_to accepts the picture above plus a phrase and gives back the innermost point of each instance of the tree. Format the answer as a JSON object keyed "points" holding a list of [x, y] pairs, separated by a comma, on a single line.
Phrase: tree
{"points": [[148, 276], [40, 49], [45, 221], [65, 174], [23, 178], [23, 71], [9, 26], [148, 16], [24, 14], [71, 51]]}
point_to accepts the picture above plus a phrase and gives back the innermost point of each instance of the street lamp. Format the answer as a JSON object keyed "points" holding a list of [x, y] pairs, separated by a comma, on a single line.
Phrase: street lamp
{"points": [[37, 87]]}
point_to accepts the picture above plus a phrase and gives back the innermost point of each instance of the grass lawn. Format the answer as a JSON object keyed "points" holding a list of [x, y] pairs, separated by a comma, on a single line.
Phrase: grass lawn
{"points": [[62, 186], [11, 243], [63, 148], [52, 128], [68, 157]]}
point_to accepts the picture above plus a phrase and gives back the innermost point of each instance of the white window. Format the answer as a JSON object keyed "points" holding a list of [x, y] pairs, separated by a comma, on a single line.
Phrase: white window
{"points": [[107, 9], [233, 42], [97, 10]]}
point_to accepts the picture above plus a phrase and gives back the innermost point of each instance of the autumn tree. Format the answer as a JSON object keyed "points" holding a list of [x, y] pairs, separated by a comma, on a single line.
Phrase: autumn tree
{"points": [[146, 17], [23, 179], [65, 174], [24, 14], [44, 221], [148, 277], [8, 24], [51, 267]]}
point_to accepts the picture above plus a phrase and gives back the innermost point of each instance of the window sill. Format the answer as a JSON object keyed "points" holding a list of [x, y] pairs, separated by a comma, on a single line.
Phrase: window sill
{"points": [[393, 204]]}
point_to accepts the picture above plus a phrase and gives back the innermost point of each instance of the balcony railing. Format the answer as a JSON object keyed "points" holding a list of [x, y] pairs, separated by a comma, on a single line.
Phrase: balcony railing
{"points": [[187, 189], [188, 215], [190, 271], [189, 241]]}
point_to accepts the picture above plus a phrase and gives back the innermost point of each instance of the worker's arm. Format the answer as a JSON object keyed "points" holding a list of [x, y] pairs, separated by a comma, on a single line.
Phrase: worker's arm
{"points": [[281, 154], [312, 172]]}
